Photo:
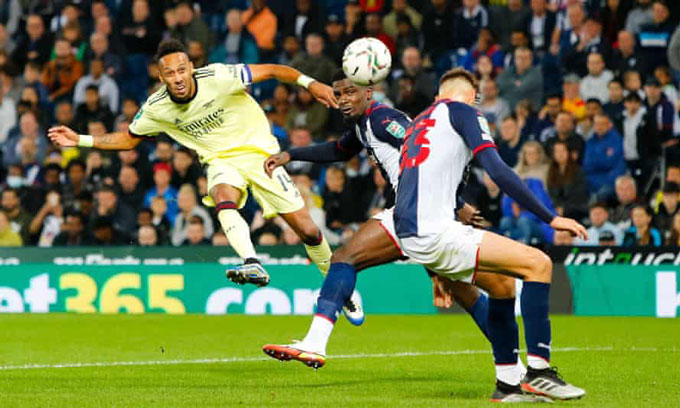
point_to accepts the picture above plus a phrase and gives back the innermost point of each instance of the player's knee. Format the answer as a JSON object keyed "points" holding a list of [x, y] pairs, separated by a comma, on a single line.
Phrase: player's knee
{"points": [[540, 266]]}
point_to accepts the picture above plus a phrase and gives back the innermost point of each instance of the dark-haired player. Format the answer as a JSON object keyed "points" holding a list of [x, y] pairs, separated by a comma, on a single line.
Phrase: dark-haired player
{"points": [[380, 130], [210, 111]]}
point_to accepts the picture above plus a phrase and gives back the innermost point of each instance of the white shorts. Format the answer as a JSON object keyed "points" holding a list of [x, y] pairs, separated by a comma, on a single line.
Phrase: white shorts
{"points": [[453, 253], [386, 218]]}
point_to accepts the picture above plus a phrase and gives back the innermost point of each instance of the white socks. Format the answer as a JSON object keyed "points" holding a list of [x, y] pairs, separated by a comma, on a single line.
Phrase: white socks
{"points": [[317, 336], [537, 363], [508, 373]]}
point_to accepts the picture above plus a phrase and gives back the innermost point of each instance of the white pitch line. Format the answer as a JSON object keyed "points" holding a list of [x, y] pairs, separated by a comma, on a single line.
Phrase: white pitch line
{"points": [[228, 360]]}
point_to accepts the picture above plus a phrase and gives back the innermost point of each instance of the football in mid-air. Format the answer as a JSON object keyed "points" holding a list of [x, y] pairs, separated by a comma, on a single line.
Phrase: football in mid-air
{"points": [[366, 61]]}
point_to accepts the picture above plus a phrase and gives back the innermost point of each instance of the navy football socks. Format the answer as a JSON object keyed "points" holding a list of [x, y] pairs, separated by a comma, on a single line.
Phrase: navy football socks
{"points": [[480, 313], [337, 287], [503, 332], [534, 302]]}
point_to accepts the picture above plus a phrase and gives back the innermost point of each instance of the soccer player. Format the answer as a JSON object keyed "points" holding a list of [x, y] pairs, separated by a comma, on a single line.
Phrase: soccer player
{"points": [[210, 111], [380, 130]]}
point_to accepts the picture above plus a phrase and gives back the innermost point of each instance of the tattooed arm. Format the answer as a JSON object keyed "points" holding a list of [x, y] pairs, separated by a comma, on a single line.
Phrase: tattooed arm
{"points": [[65, 137]]}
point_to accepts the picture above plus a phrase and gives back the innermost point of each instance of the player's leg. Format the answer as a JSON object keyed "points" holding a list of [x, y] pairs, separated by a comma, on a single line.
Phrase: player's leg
{"points": [[227, 200], [466, 295], [315, 244], [370, 246], [500, 255]]}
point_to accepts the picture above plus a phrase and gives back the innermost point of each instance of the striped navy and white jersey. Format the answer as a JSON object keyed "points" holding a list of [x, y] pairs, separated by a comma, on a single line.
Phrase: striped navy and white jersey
{"points": [[439, 145], [381, 132]]}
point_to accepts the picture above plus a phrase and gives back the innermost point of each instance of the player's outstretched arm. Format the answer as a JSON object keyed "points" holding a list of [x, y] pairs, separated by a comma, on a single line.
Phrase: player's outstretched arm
{"points": [[322, 92], [328, 152], [63, 136], [512, 185]]}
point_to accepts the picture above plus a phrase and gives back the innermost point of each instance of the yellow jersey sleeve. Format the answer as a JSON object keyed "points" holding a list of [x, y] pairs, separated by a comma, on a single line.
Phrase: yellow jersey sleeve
{"points": [[144, 123], [232, 79]]}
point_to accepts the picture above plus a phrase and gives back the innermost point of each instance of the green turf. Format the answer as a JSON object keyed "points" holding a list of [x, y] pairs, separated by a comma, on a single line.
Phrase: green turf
{"points": [[639, 367]]}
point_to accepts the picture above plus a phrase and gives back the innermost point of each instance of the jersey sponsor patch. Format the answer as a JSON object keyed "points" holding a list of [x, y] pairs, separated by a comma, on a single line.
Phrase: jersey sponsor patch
{"points": [[396, 129], [484, 126]]}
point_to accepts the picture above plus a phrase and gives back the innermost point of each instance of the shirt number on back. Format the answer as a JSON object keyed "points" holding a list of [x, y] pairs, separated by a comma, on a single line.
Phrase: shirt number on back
{"points": [[416, 150]]}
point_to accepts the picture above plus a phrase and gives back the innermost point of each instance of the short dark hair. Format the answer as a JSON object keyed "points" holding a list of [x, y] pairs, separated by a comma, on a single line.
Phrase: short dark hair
{"points": [[92, 87], [600, 204], [195, 219], [594, 100], [460, 73], [170, 46], [76, 162], [338, 75], [52, 166]]}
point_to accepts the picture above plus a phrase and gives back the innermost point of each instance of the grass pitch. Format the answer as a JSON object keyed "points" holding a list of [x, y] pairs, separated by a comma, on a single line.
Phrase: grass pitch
{"points": [[427, 361]]}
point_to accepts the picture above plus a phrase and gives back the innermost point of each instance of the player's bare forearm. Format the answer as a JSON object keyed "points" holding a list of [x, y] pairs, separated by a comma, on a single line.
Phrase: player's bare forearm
{"points": [[283, 73], [116, 141]]}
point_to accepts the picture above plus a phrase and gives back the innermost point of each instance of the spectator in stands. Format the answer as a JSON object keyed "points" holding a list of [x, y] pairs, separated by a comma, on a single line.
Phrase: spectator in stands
{"points": [[522, 80], [76, 182], [105, 234], [522, 225], [197, 54], [188, 209], [7, 43], [505, 18], [485, 45], [313, 62], [106, 86], [545, 125], [654, 37], [8, 237], [305, 19], [674, 235], [438, 31], [131, 191], [338, 201], [603, 159], [585, 126], [19, 219], [32, 78], [161, 177], [196, 232], [642, 233], [238, 46], [572, 101], [511, 140], [614, 108], [73, 34], [46, 224], [110, 207], [73, 231], [594, 85], [29, 131], [574, 58], [565, 132], [625, 57], [668, 208], [99, 49], [335, 39], [129, 109], [35, 45], [412, 65], [493, 107], [409, 100], [307, 113], [401, 8], [626, 197], [61, 74], [261, 23], [674, 50], [526, 118], [374, 28], [12, 88], [632, 81], [567, 184], [663, 74], [638, 131], [533, 163], [190, 27], [184, 170], [163, 151], [613, 17], [659, 109], [92, 110], [540, 25], [467, 23], [639, 16], [141, 35], [7, 115], [147, 236], [488, 200], [301, 137], [600, 226]]}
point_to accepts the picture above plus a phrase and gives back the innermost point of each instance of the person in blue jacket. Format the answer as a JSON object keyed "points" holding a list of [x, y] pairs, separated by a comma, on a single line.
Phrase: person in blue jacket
{"points": [[521, 224], [641, 233], [603, 161]]}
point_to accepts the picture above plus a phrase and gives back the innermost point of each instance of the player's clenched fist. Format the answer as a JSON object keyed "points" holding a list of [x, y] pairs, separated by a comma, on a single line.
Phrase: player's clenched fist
{"points": [[324, 94], [63, 136], [274, 161]]}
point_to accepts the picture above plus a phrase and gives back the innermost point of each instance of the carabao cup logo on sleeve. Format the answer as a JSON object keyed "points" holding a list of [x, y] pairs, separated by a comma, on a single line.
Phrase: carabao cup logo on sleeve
{"points": [[484, 126]]}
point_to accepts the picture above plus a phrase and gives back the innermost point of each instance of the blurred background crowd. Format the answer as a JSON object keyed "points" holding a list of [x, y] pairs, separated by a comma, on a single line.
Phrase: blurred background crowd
{"points": [[581, 95]]}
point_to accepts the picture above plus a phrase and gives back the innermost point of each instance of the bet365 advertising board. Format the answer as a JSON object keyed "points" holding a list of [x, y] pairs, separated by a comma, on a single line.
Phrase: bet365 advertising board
{"points": [[587, 281]]}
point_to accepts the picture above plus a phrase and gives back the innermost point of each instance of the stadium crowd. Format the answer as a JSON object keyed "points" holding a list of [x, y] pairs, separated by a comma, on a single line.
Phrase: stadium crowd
{"points": [[581, 95]]}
